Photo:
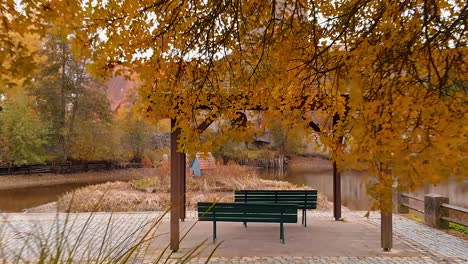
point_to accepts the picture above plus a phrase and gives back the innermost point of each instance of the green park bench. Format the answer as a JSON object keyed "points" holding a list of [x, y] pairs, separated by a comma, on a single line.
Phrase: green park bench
{"points": [[247, 212], [304, 199]]}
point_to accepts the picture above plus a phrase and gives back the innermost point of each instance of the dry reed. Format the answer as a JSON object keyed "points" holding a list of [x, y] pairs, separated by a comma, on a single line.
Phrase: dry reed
{"points": [[152, 193]]}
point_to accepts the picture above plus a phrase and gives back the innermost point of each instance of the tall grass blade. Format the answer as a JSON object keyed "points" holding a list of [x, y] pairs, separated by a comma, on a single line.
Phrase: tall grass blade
{"points": [[188, 256], [212, 252], [131, 251]]}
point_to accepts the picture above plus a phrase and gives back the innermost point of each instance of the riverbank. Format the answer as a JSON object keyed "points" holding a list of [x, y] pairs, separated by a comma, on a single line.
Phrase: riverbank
{"points": [[37, 180], [152, 193]]}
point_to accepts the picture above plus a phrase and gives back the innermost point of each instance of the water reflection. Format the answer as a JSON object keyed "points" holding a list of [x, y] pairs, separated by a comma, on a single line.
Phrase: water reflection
{"points": [[318, 176], [353, 189], [456, 191], [16, 200], [353, 185]]}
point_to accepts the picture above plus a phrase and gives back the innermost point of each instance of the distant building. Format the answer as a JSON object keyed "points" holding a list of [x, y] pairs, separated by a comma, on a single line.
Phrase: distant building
{"points": [[201, 163], [261, 141]]}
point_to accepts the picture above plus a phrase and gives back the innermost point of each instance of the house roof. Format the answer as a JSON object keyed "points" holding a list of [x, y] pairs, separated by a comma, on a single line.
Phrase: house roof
{"points": [[205, 160]]}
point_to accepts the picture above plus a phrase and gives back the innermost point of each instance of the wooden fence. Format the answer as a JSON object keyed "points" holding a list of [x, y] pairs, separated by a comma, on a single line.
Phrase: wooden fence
{"points": [[435, 208], [67, 167]]}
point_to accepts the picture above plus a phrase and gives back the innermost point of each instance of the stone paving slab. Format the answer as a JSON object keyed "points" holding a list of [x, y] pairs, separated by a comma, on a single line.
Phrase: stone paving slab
{"points": [[83, 236], [436, 242], [416, 243], [322, 237], [321, 260]]}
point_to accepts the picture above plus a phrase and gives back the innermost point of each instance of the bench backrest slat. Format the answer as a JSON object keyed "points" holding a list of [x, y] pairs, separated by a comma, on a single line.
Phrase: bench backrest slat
{"points": [[251, 212], [305, 199]]}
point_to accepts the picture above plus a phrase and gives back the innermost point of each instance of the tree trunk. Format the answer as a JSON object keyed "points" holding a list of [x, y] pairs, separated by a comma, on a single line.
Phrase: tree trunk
{"points": [[62, 141]]}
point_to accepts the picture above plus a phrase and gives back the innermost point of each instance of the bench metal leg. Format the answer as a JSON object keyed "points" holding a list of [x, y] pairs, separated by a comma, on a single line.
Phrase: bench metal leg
{"points": [[304, 213], [282, 232], [214, 231], [245, 224]]}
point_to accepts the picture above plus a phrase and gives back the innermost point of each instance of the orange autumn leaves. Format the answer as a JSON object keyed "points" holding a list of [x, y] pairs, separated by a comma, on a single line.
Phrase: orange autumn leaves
{"points": [[402, 65]]}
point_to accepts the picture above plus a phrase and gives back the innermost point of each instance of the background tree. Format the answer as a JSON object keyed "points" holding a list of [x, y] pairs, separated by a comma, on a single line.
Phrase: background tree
{"points": [[74, 102], [136, 136], [23, 134], [288, 140]]}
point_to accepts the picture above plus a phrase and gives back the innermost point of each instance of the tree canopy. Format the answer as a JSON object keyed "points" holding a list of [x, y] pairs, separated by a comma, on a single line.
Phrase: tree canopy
{"points": [[395, 72]]}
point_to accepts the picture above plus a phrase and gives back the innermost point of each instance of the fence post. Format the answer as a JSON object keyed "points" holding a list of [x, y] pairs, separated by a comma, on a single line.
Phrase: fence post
{"points": [[433, 211], [398, 199]]}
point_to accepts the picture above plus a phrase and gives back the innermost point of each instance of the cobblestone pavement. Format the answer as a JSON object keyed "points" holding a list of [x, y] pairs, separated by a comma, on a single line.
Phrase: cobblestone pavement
{"points": [[83, 236], [337, 260], [102, 235], [439, 244]]}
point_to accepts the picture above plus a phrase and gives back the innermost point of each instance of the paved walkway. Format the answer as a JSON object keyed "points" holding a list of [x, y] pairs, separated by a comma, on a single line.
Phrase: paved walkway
{"points": [[435, 242], [111, 236]]}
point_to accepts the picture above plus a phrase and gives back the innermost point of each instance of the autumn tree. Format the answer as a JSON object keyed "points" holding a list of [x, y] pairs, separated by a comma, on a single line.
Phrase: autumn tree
{"points": [[389, 77], [19, 33], [23, 135], [135, 136], [74, 103], [407, 110]]}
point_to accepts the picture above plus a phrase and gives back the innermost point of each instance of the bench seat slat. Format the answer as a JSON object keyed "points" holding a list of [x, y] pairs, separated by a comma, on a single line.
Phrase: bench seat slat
{"points": [[260, 214], [239, 195], [289, 192], [246, 209], [260, 209], [300, 204], [304, 199], [308, 203], [273, 192], [246, 213], [256, 210], [240, 214], [267, 198], [286, 191], [230, 205], [250, 220]]}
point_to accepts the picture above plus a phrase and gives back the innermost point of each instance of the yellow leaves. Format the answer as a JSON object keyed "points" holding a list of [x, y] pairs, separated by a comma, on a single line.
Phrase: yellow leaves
{"points": [[17, 63], [211, 59]]}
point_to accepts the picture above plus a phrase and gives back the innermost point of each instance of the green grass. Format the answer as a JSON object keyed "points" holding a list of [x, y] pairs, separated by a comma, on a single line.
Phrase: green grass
{"points": [[415, 217], [454, 228], [144, 183], [459, 228]]}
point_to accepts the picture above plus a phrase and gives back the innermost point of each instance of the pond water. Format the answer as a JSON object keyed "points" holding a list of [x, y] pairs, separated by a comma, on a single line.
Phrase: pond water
{"points": [[18, 199], [319, 176], [353, 187]]}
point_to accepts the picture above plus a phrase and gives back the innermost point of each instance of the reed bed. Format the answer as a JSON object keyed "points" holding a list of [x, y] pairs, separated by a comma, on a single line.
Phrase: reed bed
{"points": [[152, 193]]}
